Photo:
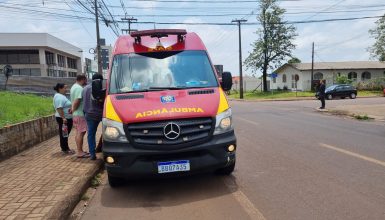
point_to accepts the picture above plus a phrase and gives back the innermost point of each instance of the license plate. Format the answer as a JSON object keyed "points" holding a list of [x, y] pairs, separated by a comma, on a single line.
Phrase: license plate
{"points": [[174, 166]]}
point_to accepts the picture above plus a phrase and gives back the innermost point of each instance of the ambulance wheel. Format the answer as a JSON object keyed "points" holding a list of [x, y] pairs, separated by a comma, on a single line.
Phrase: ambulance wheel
{"points": [[114, 181], [226, 170]]}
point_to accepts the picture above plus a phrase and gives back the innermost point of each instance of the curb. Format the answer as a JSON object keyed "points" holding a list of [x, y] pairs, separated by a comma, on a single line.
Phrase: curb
{"points": [[271, 100], [293, 99], [64, 208]]}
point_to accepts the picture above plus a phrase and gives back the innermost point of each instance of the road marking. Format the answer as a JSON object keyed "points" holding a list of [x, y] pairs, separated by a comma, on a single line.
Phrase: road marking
{"points": [[245, 203], [356, 155], [248, 121]]}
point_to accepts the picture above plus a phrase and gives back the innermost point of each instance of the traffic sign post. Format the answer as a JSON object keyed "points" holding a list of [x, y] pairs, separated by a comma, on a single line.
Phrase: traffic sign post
{"points": [[296, 78], [7, 70], [273, 76]]}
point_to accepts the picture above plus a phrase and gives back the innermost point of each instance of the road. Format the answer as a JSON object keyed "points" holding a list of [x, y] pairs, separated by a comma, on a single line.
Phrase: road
{"points": [[292, 163]]}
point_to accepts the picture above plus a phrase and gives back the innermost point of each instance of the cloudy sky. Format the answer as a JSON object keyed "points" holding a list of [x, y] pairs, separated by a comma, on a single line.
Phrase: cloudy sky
{"points": [[334, 40]]}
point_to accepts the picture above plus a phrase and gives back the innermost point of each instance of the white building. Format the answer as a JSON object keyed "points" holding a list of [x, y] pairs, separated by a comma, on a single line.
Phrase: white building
{"points": [[39, 54], [357, 71]]}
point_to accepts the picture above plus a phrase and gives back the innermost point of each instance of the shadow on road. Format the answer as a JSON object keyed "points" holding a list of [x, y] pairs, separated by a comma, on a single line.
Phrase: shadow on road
{"points": [[157, 193]]}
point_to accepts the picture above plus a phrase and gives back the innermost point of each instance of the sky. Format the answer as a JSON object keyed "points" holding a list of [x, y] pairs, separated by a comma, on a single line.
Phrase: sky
{"points": [[334, 40]]}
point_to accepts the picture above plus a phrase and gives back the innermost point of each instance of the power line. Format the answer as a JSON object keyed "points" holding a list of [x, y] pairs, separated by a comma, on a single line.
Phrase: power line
{"points": [[116, 30], [326, 9], [248, 14], [257, 23], [80, 21]]}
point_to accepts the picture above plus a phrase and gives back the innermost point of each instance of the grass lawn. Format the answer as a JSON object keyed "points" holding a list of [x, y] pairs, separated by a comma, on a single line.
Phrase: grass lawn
{"points": [[369, 93], [291, 95], [16, 108], [274, 95]]}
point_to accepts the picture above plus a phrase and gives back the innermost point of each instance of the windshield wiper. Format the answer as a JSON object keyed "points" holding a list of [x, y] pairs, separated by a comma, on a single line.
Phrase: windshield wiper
{"points": [[142, 90], [168, 88], [177, 87]]}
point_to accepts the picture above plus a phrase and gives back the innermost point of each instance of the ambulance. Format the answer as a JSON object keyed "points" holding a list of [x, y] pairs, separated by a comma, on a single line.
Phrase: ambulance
{"points": [[165, 112]]}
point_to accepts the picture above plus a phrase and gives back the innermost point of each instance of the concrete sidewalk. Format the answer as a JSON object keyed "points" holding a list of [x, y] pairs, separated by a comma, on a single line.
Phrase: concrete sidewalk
{"points": [[43, 183]]}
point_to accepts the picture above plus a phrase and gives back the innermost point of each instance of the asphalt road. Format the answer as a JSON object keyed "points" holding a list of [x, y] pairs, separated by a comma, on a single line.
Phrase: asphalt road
{"points": [[292, 163]]}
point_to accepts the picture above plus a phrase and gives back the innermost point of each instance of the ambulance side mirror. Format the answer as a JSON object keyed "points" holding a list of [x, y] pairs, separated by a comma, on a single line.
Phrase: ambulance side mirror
{"points": [[227, 81], [99, 89]]}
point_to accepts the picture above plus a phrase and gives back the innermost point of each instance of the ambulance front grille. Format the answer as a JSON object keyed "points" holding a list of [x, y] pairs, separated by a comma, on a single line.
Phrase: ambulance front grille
{"points": [[150, 134]]}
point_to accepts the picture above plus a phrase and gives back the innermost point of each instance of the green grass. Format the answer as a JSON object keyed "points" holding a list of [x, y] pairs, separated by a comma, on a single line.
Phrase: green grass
{"points": [[366, 93], [16, 107], [291, 95], [274, 95], [362, 117]]}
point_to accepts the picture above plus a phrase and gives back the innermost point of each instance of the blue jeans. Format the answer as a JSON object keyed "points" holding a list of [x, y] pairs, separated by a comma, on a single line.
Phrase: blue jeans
{"points": [[92, 126]]}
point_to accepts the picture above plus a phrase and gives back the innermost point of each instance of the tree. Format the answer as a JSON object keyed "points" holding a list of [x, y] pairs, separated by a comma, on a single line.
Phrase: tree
{"points": [[377, 50], [294, 60], [274, 41]]}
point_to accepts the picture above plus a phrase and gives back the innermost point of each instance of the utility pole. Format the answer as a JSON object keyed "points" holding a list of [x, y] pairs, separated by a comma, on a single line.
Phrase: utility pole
{"points": [[98, 50], [312, 68], [129, 21], [239, 21]]}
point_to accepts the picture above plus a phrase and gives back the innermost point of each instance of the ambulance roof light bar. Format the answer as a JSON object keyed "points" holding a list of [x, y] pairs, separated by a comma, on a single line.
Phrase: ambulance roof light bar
{"points": [[159, 33]]}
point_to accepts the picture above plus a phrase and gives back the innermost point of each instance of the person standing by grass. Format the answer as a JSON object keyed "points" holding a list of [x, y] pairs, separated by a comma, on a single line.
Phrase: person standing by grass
{"points": [[321, 93], [79, 120], [93, 109], [63, 115]]}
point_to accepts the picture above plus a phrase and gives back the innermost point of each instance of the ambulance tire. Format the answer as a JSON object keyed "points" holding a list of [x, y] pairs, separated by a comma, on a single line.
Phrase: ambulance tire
{"points": [[114, 181], [226, 170]]}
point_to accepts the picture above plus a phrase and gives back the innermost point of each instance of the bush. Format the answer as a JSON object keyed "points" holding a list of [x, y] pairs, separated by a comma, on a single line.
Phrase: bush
{"points": [[285, 88], [376, 84], [343, 79], [279, 88]]}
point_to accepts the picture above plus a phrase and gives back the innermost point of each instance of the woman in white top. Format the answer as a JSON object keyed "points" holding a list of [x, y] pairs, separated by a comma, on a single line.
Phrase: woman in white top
{"points": [[63, 115]]}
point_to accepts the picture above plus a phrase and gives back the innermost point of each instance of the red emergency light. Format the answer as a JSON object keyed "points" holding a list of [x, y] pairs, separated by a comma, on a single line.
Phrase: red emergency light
{"points": [[159, 33]]}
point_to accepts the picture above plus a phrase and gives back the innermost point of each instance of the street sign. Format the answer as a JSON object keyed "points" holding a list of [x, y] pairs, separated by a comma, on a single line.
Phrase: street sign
{"points": [[296, 77], [7, 70], [273, 75]]}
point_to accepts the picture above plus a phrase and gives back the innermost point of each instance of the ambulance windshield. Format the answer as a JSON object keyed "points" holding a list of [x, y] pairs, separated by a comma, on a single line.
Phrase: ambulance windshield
{"points": [[147, 72]]}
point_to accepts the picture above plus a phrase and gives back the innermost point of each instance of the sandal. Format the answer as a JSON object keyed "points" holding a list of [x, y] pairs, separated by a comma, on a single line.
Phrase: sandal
{"points": [[70, 151], [84, 156]]}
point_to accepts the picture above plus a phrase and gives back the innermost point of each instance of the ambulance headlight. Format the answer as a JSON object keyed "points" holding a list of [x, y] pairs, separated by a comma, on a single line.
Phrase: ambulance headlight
{"points": [[223, 122], [113, 131]]}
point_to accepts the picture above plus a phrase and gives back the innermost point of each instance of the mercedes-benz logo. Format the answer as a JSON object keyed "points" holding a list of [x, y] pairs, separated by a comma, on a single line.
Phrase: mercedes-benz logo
{"points": [[171, 131]]}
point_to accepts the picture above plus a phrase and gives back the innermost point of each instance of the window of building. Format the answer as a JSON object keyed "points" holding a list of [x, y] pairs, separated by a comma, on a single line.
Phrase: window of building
{"points": [[16, 72], [366, 76], [284, 78], [352, 76], [34, 58], [318, 76], [25, 72], [35, 72], [49, 58], [72, 74], [61, 73], [13, 58], [61, 60], [274, 80], [71, 63], [51, 72], [19, 57]]}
